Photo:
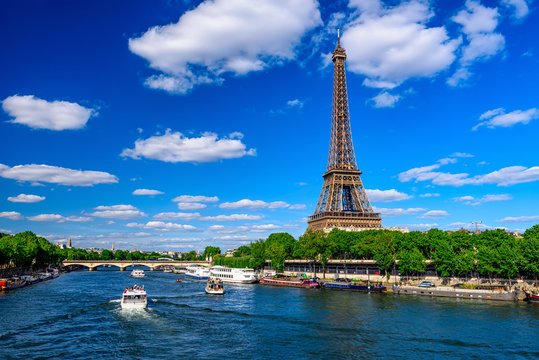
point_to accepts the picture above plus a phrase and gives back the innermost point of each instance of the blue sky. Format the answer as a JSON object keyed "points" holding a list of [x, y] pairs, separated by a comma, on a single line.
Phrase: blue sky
{"points": [[173, 125]]}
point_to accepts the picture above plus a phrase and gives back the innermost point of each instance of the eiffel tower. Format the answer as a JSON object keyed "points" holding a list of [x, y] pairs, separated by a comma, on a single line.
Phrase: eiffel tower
{"points": [[343, 202]]}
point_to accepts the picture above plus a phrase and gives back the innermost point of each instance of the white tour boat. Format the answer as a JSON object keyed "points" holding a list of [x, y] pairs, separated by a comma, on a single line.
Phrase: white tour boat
{"points": [[234, 275], [134, 297], [138, 273], [197, 272], [215, 287]]}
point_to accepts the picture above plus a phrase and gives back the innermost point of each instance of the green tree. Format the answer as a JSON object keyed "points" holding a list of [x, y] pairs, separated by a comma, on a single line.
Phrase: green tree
{"points": [[107, 255], [210, 251], [529, 249], [243, 251], [314, 245], [191, 255], [384, 251], [411, 261], [258, 254], [120, 255], [278, 248], [444, 255]]}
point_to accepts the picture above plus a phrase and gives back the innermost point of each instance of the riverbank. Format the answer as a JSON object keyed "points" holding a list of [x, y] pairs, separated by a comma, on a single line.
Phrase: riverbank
{"points": [[515, 284], [27, 279]]}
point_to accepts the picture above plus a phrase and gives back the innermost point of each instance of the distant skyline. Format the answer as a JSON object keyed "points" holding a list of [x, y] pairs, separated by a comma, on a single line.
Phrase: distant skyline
{"points": [[174, 125]]}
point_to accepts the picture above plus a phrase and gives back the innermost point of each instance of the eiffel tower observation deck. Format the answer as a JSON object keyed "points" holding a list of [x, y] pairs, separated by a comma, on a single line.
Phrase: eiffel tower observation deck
{"points": [[343, 202]]}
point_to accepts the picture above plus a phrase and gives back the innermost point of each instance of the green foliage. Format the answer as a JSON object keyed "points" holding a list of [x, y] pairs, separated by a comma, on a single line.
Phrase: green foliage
{"points": [[190, 256], [258, 254], [107, 255], [210, 251], [26, 249], [278, 247], [529, 250], [242, 251], [233, 262], [411, 261]]}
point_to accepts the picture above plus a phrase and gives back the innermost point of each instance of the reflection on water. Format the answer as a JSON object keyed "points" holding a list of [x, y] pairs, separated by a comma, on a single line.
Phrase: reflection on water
{"points": [[78, 315]]}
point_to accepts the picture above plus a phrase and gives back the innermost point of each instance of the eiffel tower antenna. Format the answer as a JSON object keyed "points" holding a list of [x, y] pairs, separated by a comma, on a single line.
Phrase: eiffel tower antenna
{"points": [[343, 202]]}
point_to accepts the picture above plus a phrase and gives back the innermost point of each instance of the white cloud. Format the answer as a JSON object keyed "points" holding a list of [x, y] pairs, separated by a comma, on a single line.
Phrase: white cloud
{"points": [[461, 155], [470, 200], [295, 103], [224, 36], [253, 204], [434, 214], [498, 118], [191, 206], [6, 231], [56, 175], [376, 195], [392, 44], [235, 237], [177, 216], [119, 212], [58, 218], [78, 219], [520, 7], [233, 217], [221, 229], [25, 198], [429, 195], [265, 227], [504, 177], [147, 192], [298, 207], [40, 114], [385, 99], [195, 198], [162, 226], [397, 211], [12, 215], [478, 25], [520, 219], [175, 147], [418, 227]]}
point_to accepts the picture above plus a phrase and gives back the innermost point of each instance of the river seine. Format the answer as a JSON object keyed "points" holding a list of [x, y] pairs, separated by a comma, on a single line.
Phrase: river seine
{"points": [[78, 316]]}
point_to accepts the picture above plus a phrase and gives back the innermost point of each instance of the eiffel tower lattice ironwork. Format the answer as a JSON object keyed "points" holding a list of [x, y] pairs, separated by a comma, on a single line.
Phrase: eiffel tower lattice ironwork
{"points": [[343, 202]]}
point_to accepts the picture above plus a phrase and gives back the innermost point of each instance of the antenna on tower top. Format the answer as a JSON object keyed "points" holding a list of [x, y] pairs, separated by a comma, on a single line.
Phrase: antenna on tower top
{"points": [[338, 36]]}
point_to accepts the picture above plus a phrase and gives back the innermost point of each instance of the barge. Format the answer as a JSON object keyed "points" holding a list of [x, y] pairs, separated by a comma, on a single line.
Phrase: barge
{"points": [[354, 286], [447, 291], [290, 282]]}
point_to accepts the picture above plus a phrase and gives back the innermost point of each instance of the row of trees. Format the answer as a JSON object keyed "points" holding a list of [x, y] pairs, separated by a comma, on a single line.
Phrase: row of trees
{"points": [[492, 253], [27, 249]]}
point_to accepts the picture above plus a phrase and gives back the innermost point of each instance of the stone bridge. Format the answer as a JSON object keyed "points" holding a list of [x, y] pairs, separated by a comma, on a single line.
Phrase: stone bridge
{"points": [[122, 264]]}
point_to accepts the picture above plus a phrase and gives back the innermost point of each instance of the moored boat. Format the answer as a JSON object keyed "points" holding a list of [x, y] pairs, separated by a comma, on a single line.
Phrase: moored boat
{"points": [[532, 297], [234, 275], [138, 273], [215, 287], [345, 284], [197, 272], [15, 283], [290, 282], [30, 279], [447, 291], [134, 297]]}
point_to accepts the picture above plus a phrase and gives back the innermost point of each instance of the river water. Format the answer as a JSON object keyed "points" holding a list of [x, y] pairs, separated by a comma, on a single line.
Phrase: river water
{"points": [[78, 316]]}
